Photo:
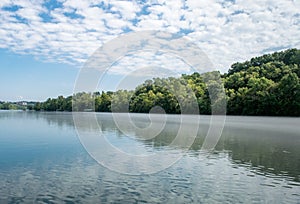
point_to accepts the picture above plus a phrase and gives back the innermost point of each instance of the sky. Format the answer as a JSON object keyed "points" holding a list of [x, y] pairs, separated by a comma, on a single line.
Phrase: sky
{"points": [[45, 43]]}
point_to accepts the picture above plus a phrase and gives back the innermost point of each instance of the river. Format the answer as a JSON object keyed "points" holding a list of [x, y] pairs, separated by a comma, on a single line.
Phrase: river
{"points": [[46, 158]]}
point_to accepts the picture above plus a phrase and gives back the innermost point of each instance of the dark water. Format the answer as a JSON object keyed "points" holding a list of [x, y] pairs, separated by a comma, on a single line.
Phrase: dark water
{"points": [[257, 160]]}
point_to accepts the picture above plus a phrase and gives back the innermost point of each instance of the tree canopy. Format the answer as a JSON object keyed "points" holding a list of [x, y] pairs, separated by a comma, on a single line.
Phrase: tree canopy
{"points": [[265, 85]]}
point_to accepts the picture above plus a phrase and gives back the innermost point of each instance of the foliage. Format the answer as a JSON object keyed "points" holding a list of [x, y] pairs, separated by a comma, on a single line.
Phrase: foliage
{"points": [[11, 106], [265, 85]]}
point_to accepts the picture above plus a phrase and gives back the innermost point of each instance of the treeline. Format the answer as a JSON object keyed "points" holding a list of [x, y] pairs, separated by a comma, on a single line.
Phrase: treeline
{"points": [[265, 85], [186, 94], [8, 106], [16, 105]]}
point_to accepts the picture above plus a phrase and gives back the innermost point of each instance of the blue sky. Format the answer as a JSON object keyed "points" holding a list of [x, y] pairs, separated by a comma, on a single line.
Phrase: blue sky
{"points": [[44, 43], [25, 78]]}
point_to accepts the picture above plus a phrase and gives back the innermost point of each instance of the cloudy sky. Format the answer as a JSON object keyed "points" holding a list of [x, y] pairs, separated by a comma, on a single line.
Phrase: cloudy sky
{"points": [[44, 43]]}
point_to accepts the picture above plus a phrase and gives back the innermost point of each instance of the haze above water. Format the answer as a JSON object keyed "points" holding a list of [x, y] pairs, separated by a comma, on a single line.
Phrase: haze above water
{"points": [[257, 160]]}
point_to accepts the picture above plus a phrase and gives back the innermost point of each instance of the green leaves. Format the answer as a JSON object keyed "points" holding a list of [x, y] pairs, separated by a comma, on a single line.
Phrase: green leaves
{"points": [[265, 85]]}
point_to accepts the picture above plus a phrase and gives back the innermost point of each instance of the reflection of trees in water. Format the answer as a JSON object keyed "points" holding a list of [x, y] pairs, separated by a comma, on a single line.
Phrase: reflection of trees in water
{"points": [[267, 151], [56, 118], [60, 119], [5, 114]]}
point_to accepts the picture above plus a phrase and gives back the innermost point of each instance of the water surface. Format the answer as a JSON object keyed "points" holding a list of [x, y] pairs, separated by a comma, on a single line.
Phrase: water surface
{"points": [[257, 160]]}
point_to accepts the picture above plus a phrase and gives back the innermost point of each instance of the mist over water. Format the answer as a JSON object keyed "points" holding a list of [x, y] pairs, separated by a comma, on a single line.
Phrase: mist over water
{"points": [[42, 160]]}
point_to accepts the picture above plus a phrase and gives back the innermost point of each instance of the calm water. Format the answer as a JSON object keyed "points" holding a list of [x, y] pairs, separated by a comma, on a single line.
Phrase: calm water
{"points": [[257, 160]]}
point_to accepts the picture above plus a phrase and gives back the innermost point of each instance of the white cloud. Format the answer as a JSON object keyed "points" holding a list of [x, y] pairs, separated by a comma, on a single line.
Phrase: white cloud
{"points": [[227, 31], [128, 9], [137, 63]]}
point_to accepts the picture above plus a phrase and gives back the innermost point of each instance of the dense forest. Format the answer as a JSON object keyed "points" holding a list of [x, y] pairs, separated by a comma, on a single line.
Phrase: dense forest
{"points": [[265, 85]]}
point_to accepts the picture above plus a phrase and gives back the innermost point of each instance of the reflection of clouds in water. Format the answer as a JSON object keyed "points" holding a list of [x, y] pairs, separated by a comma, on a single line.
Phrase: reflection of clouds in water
{"points": [[264, 145], [240, 168], [76, 178], [245, 139], [50, 180]]}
